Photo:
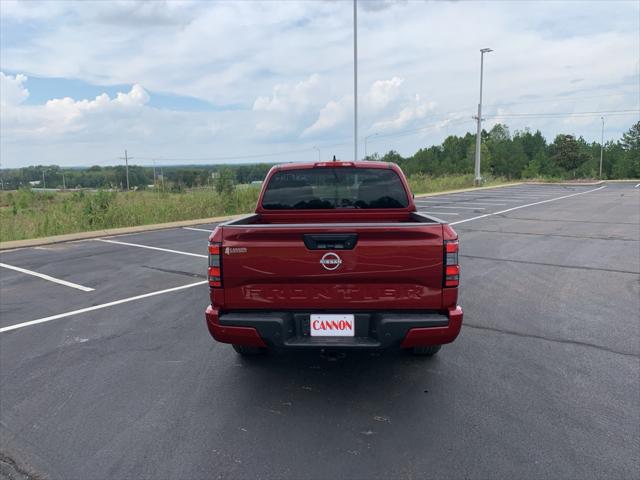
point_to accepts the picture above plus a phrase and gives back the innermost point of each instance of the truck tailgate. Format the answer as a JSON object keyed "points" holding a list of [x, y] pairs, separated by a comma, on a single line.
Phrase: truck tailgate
{"points": [[343, 266]]}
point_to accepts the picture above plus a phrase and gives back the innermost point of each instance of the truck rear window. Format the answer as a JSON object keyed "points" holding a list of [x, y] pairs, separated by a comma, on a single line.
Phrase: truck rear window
{"points": [[334, 187]]}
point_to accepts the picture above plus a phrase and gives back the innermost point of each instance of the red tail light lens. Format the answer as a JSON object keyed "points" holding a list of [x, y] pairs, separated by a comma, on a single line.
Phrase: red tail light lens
{"points": [[451, 267], [214, 273], [452, 276]]}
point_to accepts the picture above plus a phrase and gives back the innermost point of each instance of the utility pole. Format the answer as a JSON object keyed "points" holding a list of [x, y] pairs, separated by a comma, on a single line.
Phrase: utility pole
{"points": [[64, 184], [126, 163], [601, 146], [154, 174], [478, 179], [318, 149], [355, 80], [44, 184]]}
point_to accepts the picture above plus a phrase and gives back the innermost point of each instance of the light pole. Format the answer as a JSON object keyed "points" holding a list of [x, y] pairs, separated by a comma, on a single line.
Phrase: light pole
{"points": [[478, 179], [318, 149], [365, 143], [601, 145], [355, 80]]}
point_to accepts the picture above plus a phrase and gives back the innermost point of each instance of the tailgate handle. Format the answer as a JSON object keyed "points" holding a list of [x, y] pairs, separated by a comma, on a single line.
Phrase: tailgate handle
{"points": [[330, 241]]}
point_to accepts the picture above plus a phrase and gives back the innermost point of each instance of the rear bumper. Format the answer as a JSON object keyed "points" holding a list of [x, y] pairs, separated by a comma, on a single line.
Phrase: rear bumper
{"points": [[373, 330]]}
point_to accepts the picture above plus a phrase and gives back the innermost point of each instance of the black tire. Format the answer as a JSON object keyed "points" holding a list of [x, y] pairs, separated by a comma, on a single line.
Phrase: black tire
{"points": [[428, 351], [249, 351]]}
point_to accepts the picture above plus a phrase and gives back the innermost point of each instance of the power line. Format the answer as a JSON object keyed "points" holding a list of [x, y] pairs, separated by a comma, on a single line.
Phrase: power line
{"points": [[565, 114], [431, 126]]}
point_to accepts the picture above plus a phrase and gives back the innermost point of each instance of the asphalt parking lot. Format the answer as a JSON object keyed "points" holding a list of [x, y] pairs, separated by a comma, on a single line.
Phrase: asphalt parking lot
{"points": [[114, 375]]}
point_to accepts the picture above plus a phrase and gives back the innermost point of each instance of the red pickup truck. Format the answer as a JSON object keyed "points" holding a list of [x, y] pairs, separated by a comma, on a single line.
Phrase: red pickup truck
{"points": [[335, 257]]}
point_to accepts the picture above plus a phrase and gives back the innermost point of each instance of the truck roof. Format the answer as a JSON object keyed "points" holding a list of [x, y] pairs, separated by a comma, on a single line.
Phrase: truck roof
{"points": [[357, 164]]}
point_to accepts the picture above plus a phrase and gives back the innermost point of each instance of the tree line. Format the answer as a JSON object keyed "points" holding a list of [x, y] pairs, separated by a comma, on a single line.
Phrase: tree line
{"points": [[525, 154], [169, 178]]}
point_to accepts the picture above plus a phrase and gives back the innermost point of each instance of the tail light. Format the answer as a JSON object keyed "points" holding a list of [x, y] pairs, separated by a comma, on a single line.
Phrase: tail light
{"points": [[215, 265], [451, 267]]}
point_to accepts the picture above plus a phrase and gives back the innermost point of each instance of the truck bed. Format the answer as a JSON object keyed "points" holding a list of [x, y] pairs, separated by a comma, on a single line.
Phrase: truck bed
{"points": [[405, 219]]}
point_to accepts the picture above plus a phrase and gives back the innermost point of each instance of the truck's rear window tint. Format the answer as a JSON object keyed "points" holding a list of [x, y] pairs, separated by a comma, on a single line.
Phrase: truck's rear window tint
{"points": [[334, 187]]}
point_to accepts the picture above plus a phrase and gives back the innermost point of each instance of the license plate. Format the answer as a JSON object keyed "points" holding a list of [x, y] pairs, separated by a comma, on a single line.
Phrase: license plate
{"points": [[332, 325]]}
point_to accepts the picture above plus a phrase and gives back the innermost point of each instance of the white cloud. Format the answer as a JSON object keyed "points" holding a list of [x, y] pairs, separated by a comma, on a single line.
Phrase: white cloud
{"points": [[67, 114], [12, 89], [286, 68], [124, 118], [288, 98], [383, 92], [417, 109], [333, 114], [384, 98]]}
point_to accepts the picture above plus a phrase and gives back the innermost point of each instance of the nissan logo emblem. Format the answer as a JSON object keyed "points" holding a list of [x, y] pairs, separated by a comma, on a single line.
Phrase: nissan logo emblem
{"points": [[330, 261]]}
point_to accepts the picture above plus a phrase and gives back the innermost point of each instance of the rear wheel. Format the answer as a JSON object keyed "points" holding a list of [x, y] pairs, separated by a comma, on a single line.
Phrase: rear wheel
{"points": [[249, 351], [428, 351]]}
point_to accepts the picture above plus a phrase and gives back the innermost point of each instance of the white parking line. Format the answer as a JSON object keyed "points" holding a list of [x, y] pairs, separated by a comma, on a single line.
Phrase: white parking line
{"points": [[97, 307], [524, 206], [439, 213], [151, 248], [509, 197], [494, 199], [504, 194], [198, 229], [47, 277], [457, 208], [464, 202]]}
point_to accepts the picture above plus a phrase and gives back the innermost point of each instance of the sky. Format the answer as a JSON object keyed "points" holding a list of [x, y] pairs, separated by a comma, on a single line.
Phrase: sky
{"points": [[194, 82]]}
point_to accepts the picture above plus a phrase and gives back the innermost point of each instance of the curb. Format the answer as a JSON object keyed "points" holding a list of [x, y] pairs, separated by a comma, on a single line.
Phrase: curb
{"points": [[69, 237]]}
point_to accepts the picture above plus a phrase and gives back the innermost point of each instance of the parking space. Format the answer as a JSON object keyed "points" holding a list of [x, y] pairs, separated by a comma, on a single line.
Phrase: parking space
{"points": [[539, 385], [112, 271], [458, 207]]}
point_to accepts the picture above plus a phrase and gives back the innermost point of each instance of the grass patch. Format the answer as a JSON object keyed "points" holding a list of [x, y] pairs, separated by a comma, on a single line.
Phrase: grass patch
{"points": [[27, 214], [421, 183]]}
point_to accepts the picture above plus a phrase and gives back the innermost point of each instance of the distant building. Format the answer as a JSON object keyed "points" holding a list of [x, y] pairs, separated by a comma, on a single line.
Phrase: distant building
{"points": [[35, 183]]}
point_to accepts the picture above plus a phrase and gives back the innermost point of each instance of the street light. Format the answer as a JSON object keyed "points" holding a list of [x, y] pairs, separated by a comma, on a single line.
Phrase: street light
{"points": [[355, 80], [365, 143], [601, 145], [478, 179], [318, 149]]}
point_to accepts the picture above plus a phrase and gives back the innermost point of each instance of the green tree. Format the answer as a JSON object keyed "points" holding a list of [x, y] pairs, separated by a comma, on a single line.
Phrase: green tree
{"points": [[392, 156], [535, 166], [225, 181], [567, 154], [628, 164], [631, 139]]}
